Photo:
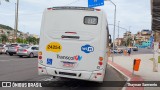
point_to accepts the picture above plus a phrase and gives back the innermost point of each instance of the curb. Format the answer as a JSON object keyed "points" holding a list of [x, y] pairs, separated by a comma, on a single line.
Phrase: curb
{"points": [[127, 74]]}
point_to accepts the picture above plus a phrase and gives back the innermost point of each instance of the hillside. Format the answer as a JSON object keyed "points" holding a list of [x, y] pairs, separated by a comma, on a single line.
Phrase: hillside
{"points": [[5, 27]]}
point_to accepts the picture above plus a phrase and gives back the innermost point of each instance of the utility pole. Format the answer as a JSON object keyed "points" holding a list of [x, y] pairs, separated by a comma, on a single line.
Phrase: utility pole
{"points": [[115, 14], [15, 23], [118, 28], [16, 26], [118, 33]]}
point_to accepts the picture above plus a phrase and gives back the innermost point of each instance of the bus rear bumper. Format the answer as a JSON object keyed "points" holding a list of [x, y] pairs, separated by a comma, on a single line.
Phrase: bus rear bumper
{"points": [[96, 76]]}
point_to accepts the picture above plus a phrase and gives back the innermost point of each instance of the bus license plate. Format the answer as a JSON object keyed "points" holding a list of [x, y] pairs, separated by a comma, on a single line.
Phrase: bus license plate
{"points": [[68, 64]]}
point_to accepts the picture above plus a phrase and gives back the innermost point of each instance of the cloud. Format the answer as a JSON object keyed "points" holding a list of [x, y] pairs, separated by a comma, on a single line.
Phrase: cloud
{"points": [[134, 13]]}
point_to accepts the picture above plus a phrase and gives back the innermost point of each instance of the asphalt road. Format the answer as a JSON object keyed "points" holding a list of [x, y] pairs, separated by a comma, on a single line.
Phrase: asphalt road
{"points": [[13, 68], [140, 51]]}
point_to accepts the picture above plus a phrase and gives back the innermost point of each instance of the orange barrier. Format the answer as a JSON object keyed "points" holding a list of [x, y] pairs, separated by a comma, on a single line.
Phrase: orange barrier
{"points": [[125, 52], [136, 64]]}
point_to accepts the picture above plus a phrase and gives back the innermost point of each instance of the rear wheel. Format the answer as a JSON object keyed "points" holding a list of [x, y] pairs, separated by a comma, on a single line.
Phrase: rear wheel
{"points": [[31, 55], [6, 52], [20, 56], [11, 54]]}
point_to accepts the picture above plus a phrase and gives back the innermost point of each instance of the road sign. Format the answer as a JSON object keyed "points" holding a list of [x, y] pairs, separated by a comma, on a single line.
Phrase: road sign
{"points": [[95, 3]]}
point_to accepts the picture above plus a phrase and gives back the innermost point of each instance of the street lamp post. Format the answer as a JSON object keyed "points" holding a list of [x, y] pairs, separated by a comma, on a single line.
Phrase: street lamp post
{"points": [[114, 27], [16, 26], [118, 32]]}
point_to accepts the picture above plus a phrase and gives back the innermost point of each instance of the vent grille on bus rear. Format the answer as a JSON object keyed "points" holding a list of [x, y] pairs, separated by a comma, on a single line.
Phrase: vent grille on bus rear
{"points": [[72, 8], [69, 74]]}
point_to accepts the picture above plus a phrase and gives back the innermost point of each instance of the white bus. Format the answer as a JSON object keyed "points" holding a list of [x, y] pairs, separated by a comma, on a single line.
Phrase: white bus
{"points": [[73, 43]]}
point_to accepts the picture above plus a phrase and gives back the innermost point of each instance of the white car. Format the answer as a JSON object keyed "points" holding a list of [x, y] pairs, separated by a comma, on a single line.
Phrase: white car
{"points": [[4, 48]]}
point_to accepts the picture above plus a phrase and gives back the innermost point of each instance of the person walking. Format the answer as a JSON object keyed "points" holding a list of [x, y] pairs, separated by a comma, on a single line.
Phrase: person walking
{"points": [[129, 51]]}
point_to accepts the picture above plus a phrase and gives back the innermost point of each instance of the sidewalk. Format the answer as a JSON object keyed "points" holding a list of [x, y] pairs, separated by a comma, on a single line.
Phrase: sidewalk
{"points": [[146, 66], [145, 70]]}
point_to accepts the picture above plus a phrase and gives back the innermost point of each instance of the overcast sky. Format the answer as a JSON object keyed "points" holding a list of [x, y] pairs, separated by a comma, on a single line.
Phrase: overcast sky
{"points": [[131, 13]]}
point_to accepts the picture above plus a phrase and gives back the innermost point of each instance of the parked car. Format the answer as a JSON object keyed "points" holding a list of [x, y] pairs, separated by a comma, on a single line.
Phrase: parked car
{"points": [[13, 48], [1, 48], [5, 50], [29, 51], [116, 51], [135, 48]]}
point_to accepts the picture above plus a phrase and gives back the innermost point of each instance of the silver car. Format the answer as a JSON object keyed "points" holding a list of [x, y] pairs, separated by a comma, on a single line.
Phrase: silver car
{"points": [[13, 48], [29, 51]]}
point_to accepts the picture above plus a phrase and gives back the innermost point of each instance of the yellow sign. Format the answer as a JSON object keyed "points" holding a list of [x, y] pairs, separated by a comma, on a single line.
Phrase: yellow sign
{"points": [[54, 47]]}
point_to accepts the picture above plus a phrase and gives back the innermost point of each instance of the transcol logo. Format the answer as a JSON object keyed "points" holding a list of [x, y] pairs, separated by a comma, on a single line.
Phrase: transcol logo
{"points": [[87, 48], [77, 57]]}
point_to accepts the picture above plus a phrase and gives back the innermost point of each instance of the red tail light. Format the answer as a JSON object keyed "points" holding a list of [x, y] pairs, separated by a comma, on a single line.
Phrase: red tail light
{"points": [[71, 32], [39, 57], [50, 8], [40, 67], [25, 51], [98, 9], [100, 63], [99, 73], [16, 48]]}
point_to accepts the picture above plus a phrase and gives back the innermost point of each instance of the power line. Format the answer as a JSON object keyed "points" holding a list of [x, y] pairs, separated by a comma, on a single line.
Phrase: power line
{"points": [[37, 13], [119, 27]]}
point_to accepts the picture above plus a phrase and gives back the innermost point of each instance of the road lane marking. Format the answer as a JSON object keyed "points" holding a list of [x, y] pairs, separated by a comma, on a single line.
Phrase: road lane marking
{"points": [[12, 60]]}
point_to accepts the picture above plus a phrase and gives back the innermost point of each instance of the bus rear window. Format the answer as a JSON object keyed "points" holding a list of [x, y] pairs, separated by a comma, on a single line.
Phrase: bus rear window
{"points": [[91, 20]]}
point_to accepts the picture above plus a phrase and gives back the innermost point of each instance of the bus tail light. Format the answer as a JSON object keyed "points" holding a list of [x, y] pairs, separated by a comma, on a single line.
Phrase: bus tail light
{"points": [[40, 55], [99, 73], [101, 58], [98, 9], [50, 8], [100, 63], [39, 67], [71, 32]]}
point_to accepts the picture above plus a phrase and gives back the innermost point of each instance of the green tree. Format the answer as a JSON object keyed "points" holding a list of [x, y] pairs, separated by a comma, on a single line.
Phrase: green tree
{"points": [[32, 40], [128, 41], [4, 38]]}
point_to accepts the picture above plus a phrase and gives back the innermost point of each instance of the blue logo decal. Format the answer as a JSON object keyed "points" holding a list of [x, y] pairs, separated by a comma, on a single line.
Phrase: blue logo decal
{"points": [[87, 48], [49, 61]]}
